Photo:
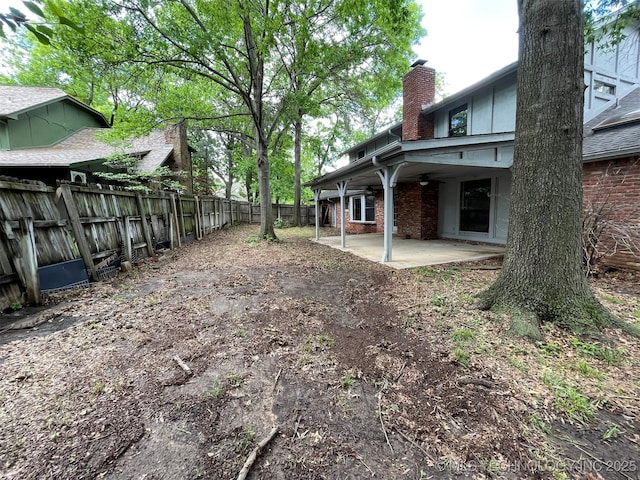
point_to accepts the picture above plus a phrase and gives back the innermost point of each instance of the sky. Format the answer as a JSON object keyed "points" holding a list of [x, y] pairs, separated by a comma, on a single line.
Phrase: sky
{"points": [[466, 40]]}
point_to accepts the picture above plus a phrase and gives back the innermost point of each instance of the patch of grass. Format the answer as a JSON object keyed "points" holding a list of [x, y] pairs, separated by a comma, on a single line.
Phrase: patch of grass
{"points": [[586, 370], [463, 335], [612, 299], [608, 355], [430, 272], [439, 300], [333, 265], [549, 349], [215, 390], [569, 399], [252, 240], [235, 380], [518, 364], [462, 356]]}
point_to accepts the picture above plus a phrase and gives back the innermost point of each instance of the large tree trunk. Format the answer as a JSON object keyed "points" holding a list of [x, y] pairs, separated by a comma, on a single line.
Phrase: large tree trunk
{"points": [[297, 196], [542, 277], [266, 211]]}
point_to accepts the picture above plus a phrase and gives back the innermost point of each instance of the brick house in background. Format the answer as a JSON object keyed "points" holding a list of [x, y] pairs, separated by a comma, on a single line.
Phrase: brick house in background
{"points": [[446, 166], [48, 135]]}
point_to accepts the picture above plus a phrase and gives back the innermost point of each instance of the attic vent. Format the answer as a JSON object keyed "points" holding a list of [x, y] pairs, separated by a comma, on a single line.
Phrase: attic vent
{"points": [[78, 177], [621, 119]]}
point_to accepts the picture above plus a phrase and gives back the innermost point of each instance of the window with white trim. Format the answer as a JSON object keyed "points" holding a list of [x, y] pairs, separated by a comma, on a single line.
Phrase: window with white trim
{"points": [[604, 87], [362, 208]]}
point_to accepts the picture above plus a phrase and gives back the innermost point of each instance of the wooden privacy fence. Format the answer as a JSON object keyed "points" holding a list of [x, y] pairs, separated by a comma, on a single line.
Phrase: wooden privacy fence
{"points": [[57, 238], [54, 239]]}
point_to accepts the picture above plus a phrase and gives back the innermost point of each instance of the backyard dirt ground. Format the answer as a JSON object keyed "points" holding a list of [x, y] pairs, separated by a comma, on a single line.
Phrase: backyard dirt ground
{"points": [[177, 369]]}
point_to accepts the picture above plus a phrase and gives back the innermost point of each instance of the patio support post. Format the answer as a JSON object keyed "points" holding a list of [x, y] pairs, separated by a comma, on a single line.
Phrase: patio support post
{"points": [[342, 190], [388, 176], [316, 197]]}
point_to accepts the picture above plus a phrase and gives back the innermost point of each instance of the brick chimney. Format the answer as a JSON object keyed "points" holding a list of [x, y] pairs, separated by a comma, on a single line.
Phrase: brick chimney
{"points": [[418, 90], [176, 134]]}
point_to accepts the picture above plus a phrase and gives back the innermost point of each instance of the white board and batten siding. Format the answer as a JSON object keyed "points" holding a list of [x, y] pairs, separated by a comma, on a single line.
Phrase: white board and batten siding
{"points": [[610, 72]]}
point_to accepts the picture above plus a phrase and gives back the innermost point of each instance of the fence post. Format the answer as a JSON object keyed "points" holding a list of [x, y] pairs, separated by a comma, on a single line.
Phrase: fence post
{"points": [[145, 225], [27, 264], [176, 225], [197, 220], [78, 230]]}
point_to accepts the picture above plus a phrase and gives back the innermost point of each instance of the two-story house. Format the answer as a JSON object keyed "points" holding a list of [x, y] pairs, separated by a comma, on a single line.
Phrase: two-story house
{"points": [[48, 135], [444, 171]]}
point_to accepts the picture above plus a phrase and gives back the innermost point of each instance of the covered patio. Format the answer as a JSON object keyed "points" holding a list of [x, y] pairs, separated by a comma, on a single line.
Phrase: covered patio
{"points": [[411, 253]]}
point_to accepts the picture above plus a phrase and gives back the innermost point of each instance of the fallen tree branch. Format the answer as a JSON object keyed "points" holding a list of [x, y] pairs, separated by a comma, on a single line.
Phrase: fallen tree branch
{"points": [[254, 454], [384, 430], [182, 365], [476, 381]]}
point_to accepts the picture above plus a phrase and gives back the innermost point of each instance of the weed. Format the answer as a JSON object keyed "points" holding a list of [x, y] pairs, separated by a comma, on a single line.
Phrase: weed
{"points": [[98, 387], [252, 240], [463, 335], [281, 223], [439, 300], [15, 306], [568, 399], [583, 368], [244, 441], [240, 333], [612, 433], [215, 390], [347, 381], [319, 342], [607, 354], [235, 380], [537, 423]]}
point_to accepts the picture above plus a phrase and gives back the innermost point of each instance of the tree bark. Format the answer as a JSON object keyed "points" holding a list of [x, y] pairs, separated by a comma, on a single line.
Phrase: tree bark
{"points": [[542, 277], [266, 211], [297, 194]]}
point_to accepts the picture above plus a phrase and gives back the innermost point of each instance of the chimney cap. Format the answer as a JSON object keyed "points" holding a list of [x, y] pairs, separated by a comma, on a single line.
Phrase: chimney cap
{"points": [[418, 62]]}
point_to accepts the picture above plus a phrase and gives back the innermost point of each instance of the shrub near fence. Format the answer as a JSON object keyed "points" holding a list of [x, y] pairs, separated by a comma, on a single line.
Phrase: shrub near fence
{"points": [[56, 238]]}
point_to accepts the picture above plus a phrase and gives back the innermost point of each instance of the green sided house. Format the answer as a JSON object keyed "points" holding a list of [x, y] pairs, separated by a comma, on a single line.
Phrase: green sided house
{"points": [[48, 135], [445, 170]]}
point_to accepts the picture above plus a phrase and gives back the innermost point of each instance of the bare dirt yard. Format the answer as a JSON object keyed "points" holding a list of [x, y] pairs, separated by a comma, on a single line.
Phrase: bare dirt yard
{"points": [[179, 368]]}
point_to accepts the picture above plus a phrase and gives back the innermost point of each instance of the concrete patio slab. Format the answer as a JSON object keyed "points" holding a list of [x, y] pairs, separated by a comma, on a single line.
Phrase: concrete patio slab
{"points": [[409, 253]]}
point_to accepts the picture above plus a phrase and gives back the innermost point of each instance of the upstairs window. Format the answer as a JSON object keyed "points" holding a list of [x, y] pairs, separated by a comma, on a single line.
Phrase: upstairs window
{"points": [[363, 208], [360, 154], [603, 87], [458, 121]]}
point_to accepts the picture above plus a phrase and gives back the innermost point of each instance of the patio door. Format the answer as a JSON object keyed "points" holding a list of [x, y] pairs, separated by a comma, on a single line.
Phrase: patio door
{"points": [[475, 205]]}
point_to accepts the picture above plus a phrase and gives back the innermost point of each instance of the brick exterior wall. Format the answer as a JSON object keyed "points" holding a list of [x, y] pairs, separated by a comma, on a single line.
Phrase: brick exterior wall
{"points": [[612, 188], [418, 211], [357, 227], [419, 89], [176, 134]]}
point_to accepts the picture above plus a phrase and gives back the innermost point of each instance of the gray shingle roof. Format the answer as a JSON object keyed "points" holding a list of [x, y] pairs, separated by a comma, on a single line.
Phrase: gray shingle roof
{"points": [[621, 140], [86, 146], [17, 99]]}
